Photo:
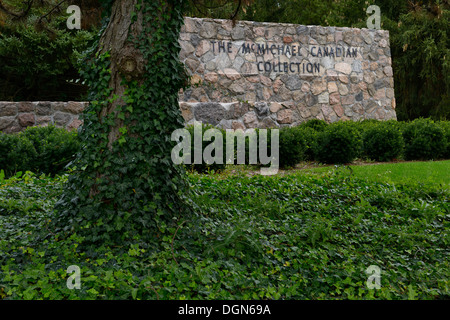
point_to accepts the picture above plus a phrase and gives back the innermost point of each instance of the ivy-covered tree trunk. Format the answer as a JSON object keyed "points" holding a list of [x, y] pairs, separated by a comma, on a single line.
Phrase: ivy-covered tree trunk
{"points": [[125, 183]]}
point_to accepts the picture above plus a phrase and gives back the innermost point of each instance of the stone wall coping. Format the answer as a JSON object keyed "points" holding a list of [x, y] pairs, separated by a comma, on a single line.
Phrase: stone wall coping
{"points": [[281, 24]]}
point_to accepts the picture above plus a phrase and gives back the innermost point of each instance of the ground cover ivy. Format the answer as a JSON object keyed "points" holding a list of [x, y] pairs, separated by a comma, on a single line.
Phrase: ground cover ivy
{"points": [[296, 236]]}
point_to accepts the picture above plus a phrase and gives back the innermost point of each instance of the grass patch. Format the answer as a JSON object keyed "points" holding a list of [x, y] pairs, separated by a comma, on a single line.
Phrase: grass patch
{"points": [[429, 172], [302, 235], [407, 172]]}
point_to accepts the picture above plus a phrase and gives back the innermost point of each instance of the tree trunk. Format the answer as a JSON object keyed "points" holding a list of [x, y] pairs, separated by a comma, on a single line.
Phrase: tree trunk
{"points": [[126, 60], [125, 182]]}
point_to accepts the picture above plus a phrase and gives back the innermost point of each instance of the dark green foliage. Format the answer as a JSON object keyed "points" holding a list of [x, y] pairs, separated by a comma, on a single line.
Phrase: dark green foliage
{"points": [[311, 141], [445, 125], [420, 45], [424, 139], [293, 146], [311, 130], [294, 143], [55, 148], [39, 60], [302, 11], [39, 149], [316, 124], [204, 167], [339, 143], [16, 154], [216, 9], [49, 149], [295, 236], [383, 142], [367, 124], [129, 187]]}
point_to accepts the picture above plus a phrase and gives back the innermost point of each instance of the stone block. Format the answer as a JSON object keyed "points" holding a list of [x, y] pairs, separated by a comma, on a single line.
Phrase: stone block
{"points": [[74, 125], [210, 112], [335, 98], [8, 110], [275, 107], [26, 119], [235, 125], [267, 123], [25, 107], [74, 107], [61, 119], [318, 86], [343, 67], [44, 109], [43, 120], [250, 120], [186, 111], [285, 116], [5, 122], [324, 98], [262, 109]]}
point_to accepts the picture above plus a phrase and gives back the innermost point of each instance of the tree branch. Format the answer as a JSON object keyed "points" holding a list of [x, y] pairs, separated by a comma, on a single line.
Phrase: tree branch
{"points": [[237, 10], [200, 4], [17, 15], [53, 9]]}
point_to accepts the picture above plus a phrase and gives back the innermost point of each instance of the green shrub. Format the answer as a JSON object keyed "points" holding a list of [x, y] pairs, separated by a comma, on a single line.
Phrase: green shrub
{"points": [[55, 148], [383, 142], [293, 145], [16, 153], [340, 142], [366, 124], [311, 140], [203, 166], [39, 149], [316, 124], [424, 140], [311, 128], [445, 125]]}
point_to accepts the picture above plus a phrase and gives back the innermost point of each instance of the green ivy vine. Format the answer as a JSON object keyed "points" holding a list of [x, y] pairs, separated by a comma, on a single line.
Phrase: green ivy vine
{"points": [[131, 189]]}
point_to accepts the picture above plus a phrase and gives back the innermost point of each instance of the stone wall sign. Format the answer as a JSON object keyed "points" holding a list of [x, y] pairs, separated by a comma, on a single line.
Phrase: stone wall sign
{"points": [[251, 74], [261, 75]]}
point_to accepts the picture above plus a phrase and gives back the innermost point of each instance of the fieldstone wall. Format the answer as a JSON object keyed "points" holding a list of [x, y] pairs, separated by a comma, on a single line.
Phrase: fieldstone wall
{"points": [[256, 75], [16, 116], [261, 75]]}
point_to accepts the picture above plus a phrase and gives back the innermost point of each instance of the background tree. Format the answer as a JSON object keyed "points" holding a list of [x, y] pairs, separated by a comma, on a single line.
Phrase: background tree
{"points": [[39, 54], [420, 45]]}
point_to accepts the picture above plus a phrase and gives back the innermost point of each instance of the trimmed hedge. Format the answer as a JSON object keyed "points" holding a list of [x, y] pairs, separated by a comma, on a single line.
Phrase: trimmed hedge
{"points": [[383, 142], [445, 125], [204, 167], [424, 140], [38, 149], [49, 149], [293, 146], [339, 143], [16, 154]]}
